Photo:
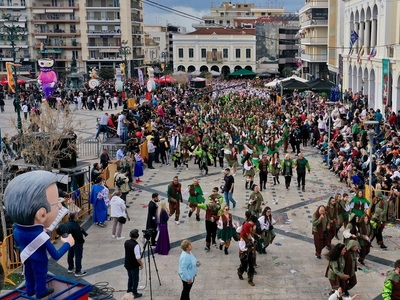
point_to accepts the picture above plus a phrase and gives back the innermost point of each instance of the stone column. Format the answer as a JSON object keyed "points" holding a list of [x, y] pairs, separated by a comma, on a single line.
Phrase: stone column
{"points": [[367, 36], [373, 35], [361, 35]]}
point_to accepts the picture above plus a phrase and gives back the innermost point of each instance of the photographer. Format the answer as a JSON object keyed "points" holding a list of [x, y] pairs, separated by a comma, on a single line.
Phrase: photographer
{"points": [[133, 262], [96, 172], [121, 182]]}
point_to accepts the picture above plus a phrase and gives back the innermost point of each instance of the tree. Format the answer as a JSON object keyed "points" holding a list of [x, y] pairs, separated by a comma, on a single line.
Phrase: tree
{"points": [[107, 73], [49, 138]]}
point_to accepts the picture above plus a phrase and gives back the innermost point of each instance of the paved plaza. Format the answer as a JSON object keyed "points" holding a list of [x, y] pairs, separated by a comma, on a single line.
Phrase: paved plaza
{"points": [[289, 270]]}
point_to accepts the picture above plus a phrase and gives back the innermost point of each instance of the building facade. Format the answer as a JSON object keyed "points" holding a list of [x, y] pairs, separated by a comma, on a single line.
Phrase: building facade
{"points": [[372, 65], [222, 50], [313, 36], [89, 32]]}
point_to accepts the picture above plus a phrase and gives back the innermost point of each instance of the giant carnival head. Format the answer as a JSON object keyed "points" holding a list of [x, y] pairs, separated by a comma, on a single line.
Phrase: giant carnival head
{"points": [[47, 77]]}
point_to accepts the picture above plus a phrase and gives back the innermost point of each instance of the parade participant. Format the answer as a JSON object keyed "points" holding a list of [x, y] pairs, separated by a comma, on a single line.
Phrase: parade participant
{"points": [[335, 270], [247, 252], [249, 172], [97, 197], [267, 226], [301, 165], [163, 245], [255, 201], [263, 166], [380, 217], [359, 204], [212, 209], [227, 229], [219, 199], [350, 266], [319, 230], [338, 295], [352, 230], [228, 188], [187, 270], [391, 286], [174, 195], [133, 262], [195, 198], [275, 167], [364, 239], [31, 200], [331, 213], [151, 223], [76, 250], [342, 211], [118, 215], [138, 170], [204, 156], [287, 170]]}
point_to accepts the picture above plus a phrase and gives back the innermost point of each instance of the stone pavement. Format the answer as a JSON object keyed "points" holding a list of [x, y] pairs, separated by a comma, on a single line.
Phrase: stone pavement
{"points": [[289, 270]]}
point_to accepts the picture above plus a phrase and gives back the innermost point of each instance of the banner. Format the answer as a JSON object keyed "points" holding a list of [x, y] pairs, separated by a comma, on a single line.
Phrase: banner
{"points": [[385, 80], [140, 75]]}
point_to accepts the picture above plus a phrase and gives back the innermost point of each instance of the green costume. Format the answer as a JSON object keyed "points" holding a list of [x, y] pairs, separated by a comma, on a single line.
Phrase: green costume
{"points": [[391, 286]]}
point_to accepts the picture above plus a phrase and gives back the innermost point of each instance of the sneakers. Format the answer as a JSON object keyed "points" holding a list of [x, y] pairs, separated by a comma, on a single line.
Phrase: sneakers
{"points": [[101, 225], [120, 238], [234, 205], [383, 246], [80, 274], [70, 271], [138, 295], [207, 248], [113, 236], [215, 245], [177, 222]]}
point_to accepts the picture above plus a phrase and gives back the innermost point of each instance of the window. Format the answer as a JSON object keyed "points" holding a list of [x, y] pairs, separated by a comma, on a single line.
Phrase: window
{"points": [[75, 54], [180, 52], [248, 53], [203, 53], [237, 53], [191, 54], [225, 53]]}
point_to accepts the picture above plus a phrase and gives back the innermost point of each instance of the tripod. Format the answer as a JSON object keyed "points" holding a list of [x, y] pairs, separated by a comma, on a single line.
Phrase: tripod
{"points": [[147, 245]]}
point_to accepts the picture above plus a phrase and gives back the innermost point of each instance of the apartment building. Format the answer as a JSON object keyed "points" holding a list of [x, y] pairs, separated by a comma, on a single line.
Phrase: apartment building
{"points": [[87, 31], [221, 50], [14, 13], [156, 45], [313, 36]]}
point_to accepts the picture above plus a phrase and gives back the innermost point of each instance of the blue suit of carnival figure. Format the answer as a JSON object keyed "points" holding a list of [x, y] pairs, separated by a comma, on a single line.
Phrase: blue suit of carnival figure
{"points": [[36, 264]]}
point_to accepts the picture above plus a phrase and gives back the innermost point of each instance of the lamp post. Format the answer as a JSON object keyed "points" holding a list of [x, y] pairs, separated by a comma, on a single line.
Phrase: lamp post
{"points": [[371, 133], [12, 31], [124, 51], [329, 105]]}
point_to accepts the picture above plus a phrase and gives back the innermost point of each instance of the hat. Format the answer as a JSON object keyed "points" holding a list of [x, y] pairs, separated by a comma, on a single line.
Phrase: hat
{"points": [[395, 152], [154, 195], [351, 244]]}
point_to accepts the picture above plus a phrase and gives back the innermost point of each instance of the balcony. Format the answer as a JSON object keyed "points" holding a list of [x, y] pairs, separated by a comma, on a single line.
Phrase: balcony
{"points": [[104, 33], [314, 23], [135, 45], [51, 7], [53, 19], [101, 45], [15, 4], [113, 58], [314, 41], [314, 57], [62, 46], [138, 6], [283, 36], [287, 47], [101, 21], [314, 4], [214, 57]]}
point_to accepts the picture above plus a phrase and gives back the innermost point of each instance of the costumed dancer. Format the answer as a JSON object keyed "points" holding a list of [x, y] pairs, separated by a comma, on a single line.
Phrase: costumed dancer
{"points": [[47, 78], [196, 196], [247, 252], [138, 171], [212, 209]]}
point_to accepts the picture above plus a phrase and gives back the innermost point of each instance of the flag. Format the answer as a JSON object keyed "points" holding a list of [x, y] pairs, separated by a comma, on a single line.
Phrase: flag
{"points": [[353, 38], [140, 74], [372, 53], [360, 53]]}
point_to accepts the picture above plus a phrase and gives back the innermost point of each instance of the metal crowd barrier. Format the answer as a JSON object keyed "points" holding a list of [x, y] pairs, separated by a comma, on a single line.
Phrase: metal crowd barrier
{"points": [[89, 147], [10, 259]]}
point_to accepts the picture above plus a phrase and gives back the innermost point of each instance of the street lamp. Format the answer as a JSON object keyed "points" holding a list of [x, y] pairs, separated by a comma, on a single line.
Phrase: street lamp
{"points": [[329, 105], [371, 134], [11, 32], [124, 51]]}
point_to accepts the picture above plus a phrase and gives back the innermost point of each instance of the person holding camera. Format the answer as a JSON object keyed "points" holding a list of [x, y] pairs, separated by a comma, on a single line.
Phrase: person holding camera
{"points": [[151, 223], [133, 262], [76, 250], [118, 215], [121, 181]]}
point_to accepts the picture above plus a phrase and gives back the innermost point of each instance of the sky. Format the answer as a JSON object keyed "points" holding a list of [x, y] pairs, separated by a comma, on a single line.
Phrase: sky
{"points": [[199, 8]]}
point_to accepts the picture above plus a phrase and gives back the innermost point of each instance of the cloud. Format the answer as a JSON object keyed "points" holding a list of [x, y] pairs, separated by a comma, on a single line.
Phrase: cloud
{"points": [[154, 16]]}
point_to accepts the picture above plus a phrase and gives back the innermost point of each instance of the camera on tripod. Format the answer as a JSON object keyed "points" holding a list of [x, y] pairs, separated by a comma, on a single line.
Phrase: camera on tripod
{"points": [[148, 233]]}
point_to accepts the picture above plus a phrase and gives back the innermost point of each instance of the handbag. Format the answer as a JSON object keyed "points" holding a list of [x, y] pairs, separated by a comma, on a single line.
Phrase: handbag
{"points": [[121, 220]]}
